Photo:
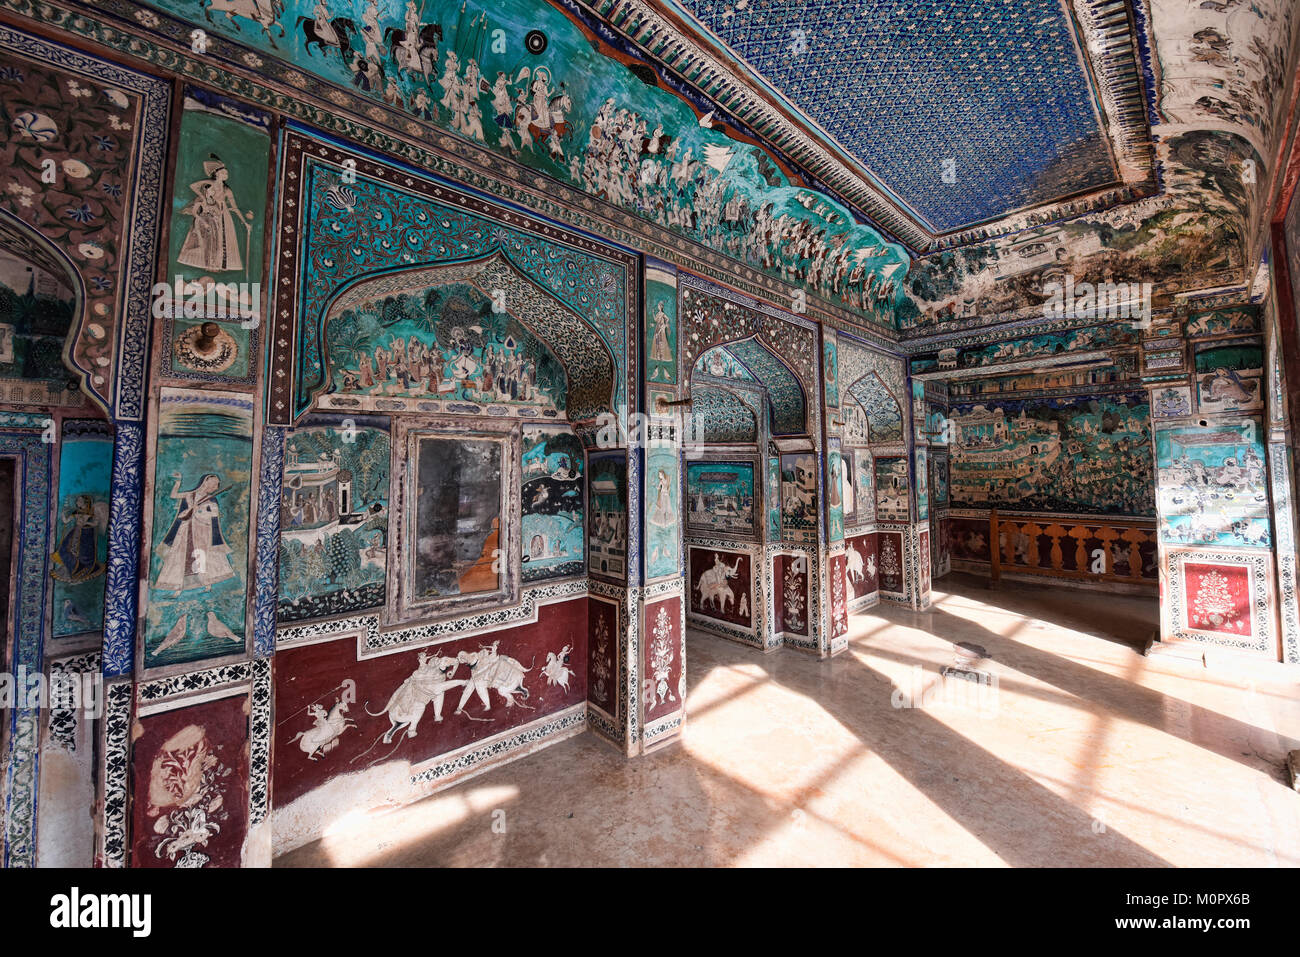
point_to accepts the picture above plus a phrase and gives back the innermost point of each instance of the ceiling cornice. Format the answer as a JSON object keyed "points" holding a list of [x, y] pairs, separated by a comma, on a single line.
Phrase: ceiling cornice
{"points": [[1115, 50]]}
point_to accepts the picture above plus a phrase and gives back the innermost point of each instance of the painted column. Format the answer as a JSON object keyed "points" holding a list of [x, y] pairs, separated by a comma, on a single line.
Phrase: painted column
{"points": [[1216, 532]]}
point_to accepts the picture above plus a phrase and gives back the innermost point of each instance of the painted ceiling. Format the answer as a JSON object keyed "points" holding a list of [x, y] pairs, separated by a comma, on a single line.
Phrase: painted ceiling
{"points": [[965, 111]]}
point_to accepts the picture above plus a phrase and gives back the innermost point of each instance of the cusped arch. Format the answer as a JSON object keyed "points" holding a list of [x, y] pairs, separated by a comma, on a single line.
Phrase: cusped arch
{"points": [[787, 399], [589, 365], [884, 414]]}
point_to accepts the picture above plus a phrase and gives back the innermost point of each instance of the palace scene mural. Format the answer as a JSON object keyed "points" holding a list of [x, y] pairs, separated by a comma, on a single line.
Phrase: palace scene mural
{"points": [[394, 389]]}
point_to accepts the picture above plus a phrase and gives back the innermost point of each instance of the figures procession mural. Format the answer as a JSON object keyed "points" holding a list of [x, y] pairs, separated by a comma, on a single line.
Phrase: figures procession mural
{"points": [[334, 517], [528, 82], [1084, 455], [202, 497], [721, 500], [446, 342], [552, 523], [1212, 488]]}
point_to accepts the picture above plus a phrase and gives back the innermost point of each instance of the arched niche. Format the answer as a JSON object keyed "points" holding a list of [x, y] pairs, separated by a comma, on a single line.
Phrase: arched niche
{"points": [[751, 362], [41, 298], [884, 414], [720, 416], [495, 337]]}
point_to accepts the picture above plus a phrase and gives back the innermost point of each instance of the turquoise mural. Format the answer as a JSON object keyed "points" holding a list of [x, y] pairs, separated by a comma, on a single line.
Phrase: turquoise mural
{"points": [[202, 497], [1075, 454], [892, 494], [334, 517], [661, 331], [445, 342], [662, 528], [521, 78], [799, 497], [720, 416], [573, 300], [552, 534], [721, 364], [81, 547], [1213, 488], [834, 496], [864, 470], [831, 371], [922, 486], [773, 498], [607, 514], [721, 499]]}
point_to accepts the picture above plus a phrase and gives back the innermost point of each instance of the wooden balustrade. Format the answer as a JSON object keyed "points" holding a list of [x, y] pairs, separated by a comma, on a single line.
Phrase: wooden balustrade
{"points": [[1084, 548]]}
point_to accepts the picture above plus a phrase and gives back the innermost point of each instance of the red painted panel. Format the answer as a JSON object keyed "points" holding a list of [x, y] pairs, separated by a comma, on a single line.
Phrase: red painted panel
{"points": [[891, 561], [1218, 598], [604, 641], [726, 579], [862, 565], [402, 698], [662, 673], [791, 599], [190, 804]]}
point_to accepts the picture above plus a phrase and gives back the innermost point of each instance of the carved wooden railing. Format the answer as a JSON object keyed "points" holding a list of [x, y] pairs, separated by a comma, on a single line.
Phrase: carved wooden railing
{"points": [[1102, 549]]}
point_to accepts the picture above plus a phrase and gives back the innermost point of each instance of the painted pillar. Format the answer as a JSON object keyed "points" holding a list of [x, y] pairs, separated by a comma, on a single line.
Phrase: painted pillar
{"points": [[835, 480], [1205, 372]]}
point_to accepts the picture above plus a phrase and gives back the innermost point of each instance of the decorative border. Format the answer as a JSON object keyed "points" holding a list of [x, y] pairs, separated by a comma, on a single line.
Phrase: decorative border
{"points": [[125, 530], [372, 641], [126, 398], [267, 569], [119, 698], [1283, 524], [32, 479], [61, 723], [1258, 564], [481, 753]]}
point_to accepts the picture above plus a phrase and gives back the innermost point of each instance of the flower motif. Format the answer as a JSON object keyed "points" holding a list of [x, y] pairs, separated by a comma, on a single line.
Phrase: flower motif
{"points": [[11, 74], [252, 59], [146, 18], [112, 189], [106, 144], [81, 214], [101, 283]]}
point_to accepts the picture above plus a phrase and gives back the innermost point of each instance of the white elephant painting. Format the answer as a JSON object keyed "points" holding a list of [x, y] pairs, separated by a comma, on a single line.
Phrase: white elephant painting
{"points": [[714, 585]]}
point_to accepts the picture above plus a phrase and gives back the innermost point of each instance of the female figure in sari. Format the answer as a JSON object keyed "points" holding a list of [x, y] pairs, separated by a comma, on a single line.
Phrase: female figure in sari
{"points": [[194, 551]]}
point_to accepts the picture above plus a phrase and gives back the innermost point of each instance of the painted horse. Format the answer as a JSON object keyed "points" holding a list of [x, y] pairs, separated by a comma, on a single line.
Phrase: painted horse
{"points": [[424, 58], [552, 125], [342, 27], [265, 13]]}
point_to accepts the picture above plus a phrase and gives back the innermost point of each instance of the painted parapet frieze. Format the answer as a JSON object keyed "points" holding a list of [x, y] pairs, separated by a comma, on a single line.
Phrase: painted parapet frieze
{"points": [[334, 517], [80, 556], [200, 528], [552, 523], [1077, 454], [1212, 488], [570, 108], [192, 765]]}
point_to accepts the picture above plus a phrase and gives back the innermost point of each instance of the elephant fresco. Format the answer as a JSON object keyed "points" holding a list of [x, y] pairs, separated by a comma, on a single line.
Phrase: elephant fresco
{"points": [[714, 588]]}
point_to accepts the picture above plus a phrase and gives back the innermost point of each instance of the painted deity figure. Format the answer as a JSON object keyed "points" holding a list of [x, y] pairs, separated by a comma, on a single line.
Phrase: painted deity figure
{"points": [[77, 557], [212, 242], [194, 551]]}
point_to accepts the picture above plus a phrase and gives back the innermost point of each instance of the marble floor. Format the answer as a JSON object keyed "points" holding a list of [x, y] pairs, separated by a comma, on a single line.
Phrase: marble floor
{"points": [[1081, 752]]}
